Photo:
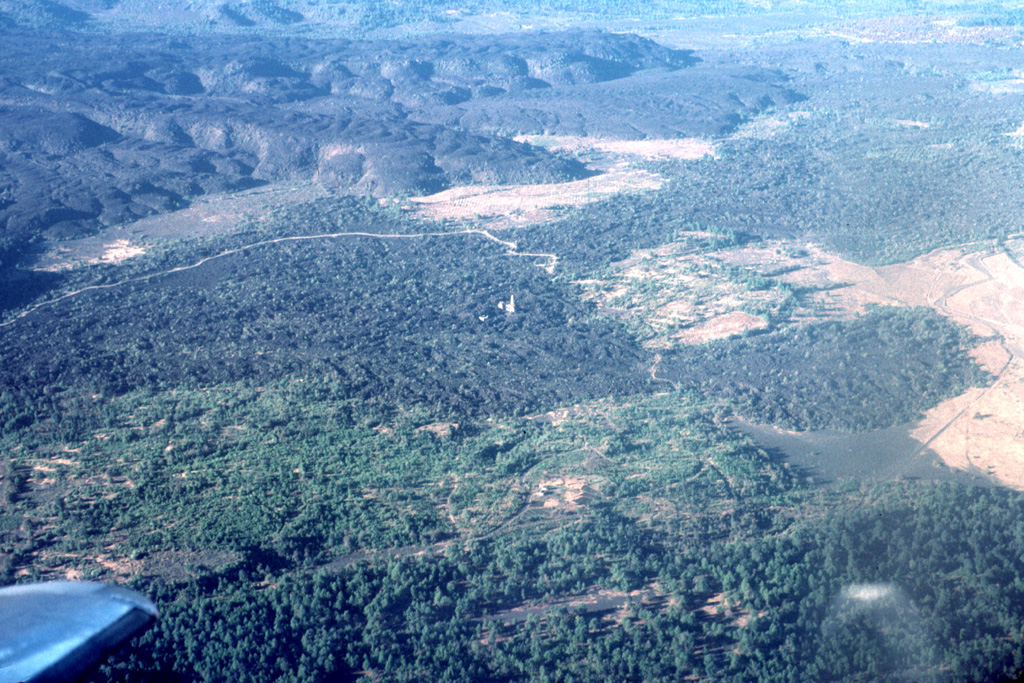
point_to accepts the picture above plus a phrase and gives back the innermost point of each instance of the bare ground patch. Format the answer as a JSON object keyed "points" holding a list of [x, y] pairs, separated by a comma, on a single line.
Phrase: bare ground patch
{"points": [[981, 430], [685, 296], [681, 294], [213, 215], [87, 252], [120, 250], [677, 148], [992, 355], [1005, 86], [851, 287], [728, 325], [439, 429], [1017, 133], [511, 205], [913, 29], [912, 123], [504, 206], [563, 493], [768, 126]]}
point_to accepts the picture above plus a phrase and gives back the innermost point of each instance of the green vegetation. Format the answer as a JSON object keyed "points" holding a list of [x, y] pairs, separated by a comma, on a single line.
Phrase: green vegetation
{"points": [[394, 322], [249, 532], [313, 455], [289, 469], [878, 370], [414, 455], [755, 610]]}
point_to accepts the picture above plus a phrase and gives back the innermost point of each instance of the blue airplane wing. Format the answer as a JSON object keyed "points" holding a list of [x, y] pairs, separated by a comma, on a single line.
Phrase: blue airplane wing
{"points": [[57, 631]]}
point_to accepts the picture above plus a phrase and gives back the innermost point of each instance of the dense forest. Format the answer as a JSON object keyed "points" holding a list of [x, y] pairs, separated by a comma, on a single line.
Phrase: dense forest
{"points": [[940, 571], [413, 321], [334, 440], [426, 321], [690, 551], [293, 528], [878, 370]]}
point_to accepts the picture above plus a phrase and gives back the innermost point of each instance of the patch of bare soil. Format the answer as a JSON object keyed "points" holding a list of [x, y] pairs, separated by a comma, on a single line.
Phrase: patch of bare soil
{"points": [[719, 605], [714, 605], [563, 493], [1012, 84], [504, 206], [119, 250], [678, 148], [983, 429], [679, 294], [511, 205], [213, 215], [440, 429], [912, 123], [768, 126], [598, 412], [1017, 134], [992, 355], [83, 253], [735, 322], [986, 434], [921, 29], [682, 295]]}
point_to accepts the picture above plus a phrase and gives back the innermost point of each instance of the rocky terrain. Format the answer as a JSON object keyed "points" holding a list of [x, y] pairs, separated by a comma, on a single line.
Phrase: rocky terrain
{"points": [[100, 131]]}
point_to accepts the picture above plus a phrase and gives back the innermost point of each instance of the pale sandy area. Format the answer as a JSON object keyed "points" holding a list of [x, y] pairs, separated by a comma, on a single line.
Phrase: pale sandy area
{"points": [[983, 429], [914, 29], [1005, 86], [720, 327], [768, 125], [911, 123], [564, 493], [211, 215], [120, 250], [439, 429], [64, 257], [503, 206], [675, 148], [992, 355], [1017, 133], [520, 204]]}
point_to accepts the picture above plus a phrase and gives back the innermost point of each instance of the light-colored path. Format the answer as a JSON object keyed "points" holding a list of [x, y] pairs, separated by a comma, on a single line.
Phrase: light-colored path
{"points": [[552, 260]]}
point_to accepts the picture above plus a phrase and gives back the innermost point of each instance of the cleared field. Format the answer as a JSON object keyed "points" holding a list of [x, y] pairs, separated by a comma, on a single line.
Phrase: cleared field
{"points": [[511, 205], [678, 148], [682, 293], [980, 430], [920, 29], [212, 215], [720, 327], [616, 160], [1004, 86]]}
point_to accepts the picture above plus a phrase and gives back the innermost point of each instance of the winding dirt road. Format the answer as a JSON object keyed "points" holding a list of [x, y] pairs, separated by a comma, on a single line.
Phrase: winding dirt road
{"points": [[511, 246]]}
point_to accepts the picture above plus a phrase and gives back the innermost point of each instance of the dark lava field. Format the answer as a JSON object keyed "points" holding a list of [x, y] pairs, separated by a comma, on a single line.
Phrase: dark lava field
{"points": [[103, 130]]}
